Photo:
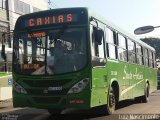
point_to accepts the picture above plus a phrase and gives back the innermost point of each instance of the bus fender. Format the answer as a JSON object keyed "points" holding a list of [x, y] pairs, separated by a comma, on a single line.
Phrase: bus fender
{"points": [[147, 82], [114, 84]]}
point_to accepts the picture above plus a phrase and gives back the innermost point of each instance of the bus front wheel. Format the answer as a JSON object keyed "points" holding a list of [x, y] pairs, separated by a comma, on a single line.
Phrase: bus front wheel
{"points": [[111, 102]]}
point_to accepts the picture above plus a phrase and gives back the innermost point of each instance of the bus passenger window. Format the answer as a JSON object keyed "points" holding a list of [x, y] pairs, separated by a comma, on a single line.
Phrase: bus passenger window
{"points": [[139, 54], [131, 52], [153, 59], [150, 59], [111, 43], [146, 59], [122, 51]]}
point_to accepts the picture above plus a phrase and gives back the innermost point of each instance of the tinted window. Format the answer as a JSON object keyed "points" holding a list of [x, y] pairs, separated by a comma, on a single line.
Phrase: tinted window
{"points": [[111, 43], [131, 51], [122, 51]]}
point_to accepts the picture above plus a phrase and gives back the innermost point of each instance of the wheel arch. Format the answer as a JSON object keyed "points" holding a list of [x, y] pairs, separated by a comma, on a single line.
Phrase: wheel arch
{"points": [[147, 81], [114, 84]]}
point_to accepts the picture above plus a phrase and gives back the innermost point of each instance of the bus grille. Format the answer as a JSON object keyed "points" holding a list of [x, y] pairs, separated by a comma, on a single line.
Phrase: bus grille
{"points": [[46, 83], [40, 91], [46, 100]]}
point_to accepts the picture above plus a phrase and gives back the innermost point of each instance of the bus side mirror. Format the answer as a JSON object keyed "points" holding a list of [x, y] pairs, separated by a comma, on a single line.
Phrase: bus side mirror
{"points": [[98, 35], [3, 53]]}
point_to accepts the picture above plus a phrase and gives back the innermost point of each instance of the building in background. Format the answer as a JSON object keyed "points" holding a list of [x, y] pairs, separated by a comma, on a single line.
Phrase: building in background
{"points": [[4, 31], [4, 22], [10, 10], [21, 7]]}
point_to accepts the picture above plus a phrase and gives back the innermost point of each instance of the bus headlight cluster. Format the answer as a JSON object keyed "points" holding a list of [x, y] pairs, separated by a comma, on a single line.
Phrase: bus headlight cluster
{"points": [[78, 87], [18, 88]]}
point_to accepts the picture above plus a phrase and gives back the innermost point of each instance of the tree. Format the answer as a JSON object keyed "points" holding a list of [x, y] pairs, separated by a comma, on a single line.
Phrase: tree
{"points": [[155, 43]]}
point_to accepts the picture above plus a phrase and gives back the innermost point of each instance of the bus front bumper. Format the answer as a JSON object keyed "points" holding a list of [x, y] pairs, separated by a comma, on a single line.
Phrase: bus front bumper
{"points": [[75, 101]]}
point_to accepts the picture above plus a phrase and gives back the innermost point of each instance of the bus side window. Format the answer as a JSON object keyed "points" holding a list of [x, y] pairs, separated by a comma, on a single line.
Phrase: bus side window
{"points": [[111, 43], [150, 58], [98, 42], [143, 61], [139, 54], [154, 60], [122, 50], [131, 52], [146, 59]]}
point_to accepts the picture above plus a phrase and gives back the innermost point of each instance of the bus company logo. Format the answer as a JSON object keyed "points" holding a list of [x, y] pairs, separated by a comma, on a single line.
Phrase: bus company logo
{"points": [[59, 88], [136, 75]]}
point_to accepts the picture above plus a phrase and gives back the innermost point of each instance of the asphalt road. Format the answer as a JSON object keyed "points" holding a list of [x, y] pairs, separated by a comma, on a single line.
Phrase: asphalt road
{"points": [[127, 110]]}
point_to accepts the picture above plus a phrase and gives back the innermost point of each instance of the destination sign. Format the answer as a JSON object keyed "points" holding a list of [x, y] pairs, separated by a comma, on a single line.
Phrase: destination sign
{"points": [[55, 19], [31, 66], [39, 34]]}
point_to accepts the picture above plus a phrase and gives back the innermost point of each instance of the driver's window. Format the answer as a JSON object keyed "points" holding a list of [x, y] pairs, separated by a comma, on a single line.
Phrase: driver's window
{"points": [[98, 42]]}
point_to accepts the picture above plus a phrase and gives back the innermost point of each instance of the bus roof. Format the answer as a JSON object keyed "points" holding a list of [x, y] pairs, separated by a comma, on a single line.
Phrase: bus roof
{"points": [[119, 30], [91, 14], [39, 18]]}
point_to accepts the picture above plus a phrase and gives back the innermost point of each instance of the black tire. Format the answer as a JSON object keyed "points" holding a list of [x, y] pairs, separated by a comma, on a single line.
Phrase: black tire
{"points": [[54, 112], [145, 98], [111, 102]]}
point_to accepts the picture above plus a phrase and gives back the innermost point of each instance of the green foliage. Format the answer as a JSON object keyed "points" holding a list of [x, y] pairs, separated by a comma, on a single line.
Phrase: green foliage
{"points": [[154, 42], [3, 74]]}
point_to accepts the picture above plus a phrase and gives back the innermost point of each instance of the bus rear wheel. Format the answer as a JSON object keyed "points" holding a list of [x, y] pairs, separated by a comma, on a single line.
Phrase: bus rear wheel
{"points": [[145, 98], [111, 102]]}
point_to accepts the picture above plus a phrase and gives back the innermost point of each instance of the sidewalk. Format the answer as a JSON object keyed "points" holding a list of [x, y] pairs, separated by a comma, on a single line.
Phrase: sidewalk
{"points": [[5, 103]]}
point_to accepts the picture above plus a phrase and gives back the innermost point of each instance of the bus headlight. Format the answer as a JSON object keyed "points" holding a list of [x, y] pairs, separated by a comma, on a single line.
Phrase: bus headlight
{"points": [[78, 87], [18, 88]]}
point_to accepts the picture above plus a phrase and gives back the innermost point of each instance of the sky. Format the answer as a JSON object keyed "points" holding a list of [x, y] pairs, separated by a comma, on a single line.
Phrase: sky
{"points": [[127, 14]]}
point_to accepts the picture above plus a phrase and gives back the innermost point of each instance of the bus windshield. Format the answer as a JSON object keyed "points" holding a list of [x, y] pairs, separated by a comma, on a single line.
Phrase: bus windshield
{"points": [[50, 52]]}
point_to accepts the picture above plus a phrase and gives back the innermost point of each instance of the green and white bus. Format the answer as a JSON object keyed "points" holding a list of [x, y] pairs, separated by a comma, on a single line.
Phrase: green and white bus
{"points": [[72, 58]]}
